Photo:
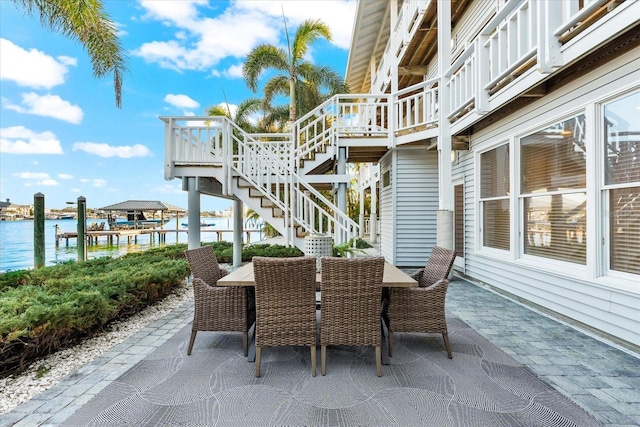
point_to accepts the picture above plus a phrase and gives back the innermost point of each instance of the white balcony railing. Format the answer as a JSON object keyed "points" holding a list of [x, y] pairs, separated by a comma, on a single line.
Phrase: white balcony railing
{"points": [[416, 106]]}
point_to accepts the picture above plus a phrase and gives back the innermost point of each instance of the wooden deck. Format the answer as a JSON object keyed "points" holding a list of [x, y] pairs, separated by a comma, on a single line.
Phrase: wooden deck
{"points": [[160, 234]]}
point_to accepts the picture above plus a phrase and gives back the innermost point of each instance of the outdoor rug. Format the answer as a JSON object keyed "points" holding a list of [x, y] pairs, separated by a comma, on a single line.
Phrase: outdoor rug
{"points": [[216, 386]]}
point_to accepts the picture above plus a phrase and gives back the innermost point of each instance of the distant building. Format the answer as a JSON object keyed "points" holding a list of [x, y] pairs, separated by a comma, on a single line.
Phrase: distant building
{"points": [[11, 211]]}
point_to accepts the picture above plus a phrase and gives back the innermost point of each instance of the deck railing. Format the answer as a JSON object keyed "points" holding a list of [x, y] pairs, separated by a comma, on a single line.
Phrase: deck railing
{"points": [[416, 106]]}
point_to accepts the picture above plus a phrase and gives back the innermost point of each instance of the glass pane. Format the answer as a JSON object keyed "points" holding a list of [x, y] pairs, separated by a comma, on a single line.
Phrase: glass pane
{"points": [[556, 227], [496, 224], [622, 140], [494, 170], [553, 159], [624, 229]]}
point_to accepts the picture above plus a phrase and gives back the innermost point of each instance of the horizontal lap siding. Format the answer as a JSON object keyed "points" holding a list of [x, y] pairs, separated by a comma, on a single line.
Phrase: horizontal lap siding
{"points": [[387, 243], [416, 205], [573, 294]]}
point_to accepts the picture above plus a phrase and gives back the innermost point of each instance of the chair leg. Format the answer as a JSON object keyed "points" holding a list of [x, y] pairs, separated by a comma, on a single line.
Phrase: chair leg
{"points": [[378, 361], [323, 359], [245, 343], [313, 360], [390, 343], [258, 357], [445, 336], [191, 341]]}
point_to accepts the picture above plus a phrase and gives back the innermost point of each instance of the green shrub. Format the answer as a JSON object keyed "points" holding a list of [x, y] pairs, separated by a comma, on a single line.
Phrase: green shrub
{"points": [[44, 310]]}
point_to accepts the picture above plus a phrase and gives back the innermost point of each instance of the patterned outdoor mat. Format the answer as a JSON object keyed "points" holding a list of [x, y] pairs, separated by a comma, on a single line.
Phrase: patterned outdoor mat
{"points": [[216, 386]]}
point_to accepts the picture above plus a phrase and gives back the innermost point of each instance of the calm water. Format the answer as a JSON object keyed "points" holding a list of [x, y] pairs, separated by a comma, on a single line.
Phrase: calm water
{"points": [[16, 241]]}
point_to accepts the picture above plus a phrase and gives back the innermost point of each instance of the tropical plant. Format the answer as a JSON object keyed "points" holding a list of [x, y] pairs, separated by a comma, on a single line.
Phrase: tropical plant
{"points": [[242, 115], [267, 229], [88, 23], [299, 79]]}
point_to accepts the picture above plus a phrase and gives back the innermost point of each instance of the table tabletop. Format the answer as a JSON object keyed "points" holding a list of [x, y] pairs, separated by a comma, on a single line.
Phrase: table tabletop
{"points": [[393, 277]]}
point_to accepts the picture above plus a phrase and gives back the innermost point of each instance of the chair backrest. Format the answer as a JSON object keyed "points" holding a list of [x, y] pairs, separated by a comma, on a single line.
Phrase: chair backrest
{"points": [[351, 293], [203, 264], [285, 290], [438, 266]]}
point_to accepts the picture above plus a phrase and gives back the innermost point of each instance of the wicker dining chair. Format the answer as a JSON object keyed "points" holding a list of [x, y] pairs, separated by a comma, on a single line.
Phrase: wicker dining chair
{"points": [[421, 309], [350, 298], [285, 304], [217, 308]]}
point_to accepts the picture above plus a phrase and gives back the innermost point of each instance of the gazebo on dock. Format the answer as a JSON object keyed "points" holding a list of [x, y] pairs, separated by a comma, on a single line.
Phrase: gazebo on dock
{"points": [[136, 213]]}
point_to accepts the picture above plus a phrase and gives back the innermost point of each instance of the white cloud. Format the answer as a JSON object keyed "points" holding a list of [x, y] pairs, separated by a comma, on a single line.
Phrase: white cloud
{"points": [[235, 71], [20, 140], [65, 176], [181, 101], [98, 183], [36, 179], [48, 106], [201, 42], [95, 182], [106, 150], [32, 68], [32, 175], [338, 15]]}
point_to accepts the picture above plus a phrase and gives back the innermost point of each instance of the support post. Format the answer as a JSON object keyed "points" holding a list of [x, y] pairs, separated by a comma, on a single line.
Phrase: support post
{"points": [[373, 218], [38, 230], [342, 191], [193, 239], [237, 232], [444, 217], [82, 229]]}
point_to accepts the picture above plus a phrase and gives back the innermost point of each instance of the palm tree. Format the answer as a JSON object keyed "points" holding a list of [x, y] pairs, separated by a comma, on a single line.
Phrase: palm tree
{"points": [[301, 80], [87, 23], [242, 115]]}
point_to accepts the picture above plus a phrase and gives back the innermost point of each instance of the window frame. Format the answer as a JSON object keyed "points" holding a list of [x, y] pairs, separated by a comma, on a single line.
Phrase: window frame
{"points": [[479, 237], [535, 261], [604, 191]]}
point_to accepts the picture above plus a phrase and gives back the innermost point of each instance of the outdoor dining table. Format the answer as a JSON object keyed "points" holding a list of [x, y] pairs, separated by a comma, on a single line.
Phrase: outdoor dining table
{"points": [[392, 277]]}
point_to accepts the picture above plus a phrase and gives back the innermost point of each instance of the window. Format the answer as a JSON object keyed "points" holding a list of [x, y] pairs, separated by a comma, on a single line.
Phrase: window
{"points": [[553, 191], [494, 197], [622, 182]]}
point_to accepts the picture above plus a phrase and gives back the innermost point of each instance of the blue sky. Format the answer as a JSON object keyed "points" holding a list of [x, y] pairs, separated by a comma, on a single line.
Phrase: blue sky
{"points": [[60, 131]]}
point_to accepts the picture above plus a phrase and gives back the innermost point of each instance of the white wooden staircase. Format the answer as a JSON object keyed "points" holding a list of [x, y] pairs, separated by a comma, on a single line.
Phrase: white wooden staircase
{"points": [[279, 175]]}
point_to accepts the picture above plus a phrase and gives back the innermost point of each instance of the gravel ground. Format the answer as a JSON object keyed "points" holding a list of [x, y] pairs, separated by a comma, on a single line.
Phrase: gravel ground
{"points": [[47, 372]]}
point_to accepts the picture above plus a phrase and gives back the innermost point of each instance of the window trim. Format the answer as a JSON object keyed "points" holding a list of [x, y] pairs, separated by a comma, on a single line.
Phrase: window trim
{"points": [[479, 230]]}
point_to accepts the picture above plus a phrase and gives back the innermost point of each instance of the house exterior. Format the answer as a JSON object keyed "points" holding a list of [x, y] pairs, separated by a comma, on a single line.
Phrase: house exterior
{"points": [[508, 130]]}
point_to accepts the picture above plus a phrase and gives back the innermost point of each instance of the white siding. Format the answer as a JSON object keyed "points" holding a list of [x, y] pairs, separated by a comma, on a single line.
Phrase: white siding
{"points": [[576, 293], [408, 206], [473, 20], [387, 221]]}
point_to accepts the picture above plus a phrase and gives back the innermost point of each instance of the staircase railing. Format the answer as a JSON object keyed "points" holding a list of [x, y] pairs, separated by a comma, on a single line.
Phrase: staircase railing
{"points": [[268, 166]]}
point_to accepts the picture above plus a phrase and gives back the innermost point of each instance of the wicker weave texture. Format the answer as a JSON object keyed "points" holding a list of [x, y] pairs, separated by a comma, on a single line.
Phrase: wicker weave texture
{"points": [[351, 291], [203, 264], [285, 291], [438, 266], [216, 308], [422, 309], [418, 309]]}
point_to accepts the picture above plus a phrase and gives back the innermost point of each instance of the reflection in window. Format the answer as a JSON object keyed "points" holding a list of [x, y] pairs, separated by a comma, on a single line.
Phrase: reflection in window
{"points": [[553, 188], [556, 226], [494, 197], [622, 181]]}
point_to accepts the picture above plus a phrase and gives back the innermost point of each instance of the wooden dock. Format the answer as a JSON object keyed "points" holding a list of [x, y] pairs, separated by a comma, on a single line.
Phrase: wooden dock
{"points": [[161, 234]]}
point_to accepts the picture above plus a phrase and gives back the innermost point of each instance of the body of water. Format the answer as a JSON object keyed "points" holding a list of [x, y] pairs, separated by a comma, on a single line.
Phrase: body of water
{"points": [[16, 241]]}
